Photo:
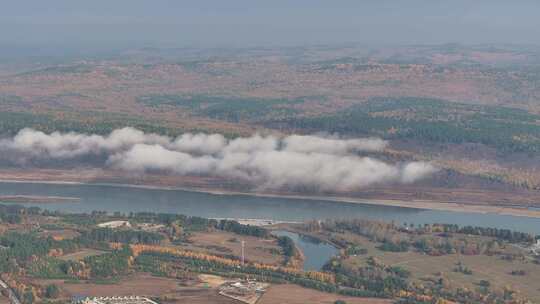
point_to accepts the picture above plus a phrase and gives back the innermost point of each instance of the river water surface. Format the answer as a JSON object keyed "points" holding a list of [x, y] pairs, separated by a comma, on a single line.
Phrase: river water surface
{"points": [[316, 253], [128, 199]]}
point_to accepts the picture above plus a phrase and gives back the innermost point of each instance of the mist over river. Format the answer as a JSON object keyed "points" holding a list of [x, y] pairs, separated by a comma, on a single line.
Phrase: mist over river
{"points": [[131, 199]]}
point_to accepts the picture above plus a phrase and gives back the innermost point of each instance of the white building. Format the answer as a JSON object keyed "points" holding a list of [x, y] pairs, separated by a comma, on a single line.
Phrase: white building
{"points": [[114, 224], [117, 300]]}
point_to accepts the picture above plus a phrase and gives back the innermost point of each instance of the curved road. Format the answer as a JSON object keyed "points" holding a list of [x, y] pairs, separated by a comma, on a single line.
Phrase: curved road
{"points": [[12, 297]]}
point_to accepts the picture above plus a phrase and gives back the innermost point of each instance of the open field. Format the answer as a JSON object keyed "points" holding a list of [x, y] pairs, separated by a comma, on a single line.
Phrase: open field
{"points": [[293, 294], [63, 234], [139, 284], [198, 297], [421, 266], [80, 255], [212, 281], [219, 242], [168, 290]]}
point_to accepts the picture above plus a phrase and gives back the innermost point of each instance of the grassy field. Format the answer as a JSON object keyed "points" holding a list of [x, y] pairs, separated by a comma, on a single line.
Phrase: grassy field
{"points": [[491, 268], [80, 255]]}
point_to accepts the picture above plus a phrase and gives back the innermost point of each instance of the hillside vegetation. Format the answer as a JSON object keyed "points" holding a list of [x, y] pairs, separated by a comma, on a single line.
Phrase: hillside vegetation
{"points": [[506, 129]]}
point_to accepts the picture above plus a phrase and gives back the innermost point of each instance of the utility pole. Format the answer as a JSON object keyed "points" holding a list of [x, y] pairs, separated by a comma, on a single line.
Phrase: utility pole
{"points": [[243, 257]]}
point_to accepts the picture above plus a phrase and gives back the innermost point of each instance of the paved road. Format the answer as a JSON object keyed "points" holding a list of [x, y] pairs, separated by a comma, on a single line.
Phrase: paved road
{"points": [[12, 297]]}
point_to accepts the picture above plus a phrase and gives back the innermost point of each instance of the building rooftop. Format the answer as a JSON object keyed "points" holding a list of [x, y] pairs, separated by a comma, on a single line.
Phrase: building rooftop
{"points": [[117, 300]]}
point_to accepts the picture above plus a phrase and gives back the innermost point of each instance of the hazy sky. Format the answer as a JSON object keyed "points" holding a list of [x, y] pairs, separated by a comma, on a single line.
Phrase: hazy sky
{"points": [[271, 22]]}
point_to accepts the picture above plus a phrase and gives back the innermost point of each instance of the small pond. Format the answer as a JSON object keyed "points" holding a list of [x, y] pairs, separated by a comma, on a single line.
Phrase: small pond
{"points": [[316, 253]]}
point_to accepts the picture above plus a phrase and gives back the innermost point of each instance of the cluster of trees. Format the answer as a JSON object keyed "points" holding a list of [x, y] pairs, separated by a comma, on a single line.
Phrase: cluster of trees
{"points": [[214, 263], [26, 292], [11, 213], [236, 227], [111, 264], [462, 268], [435, 239], [438, 291], [220, 266], [31, 253], [400, 246], [226, 108], [188, 223], [52, 291], [374, 230], [392, 281], [519, 272], [419, 118], [355, 250], [195, 223], [122, 236], [374, 279], [108, 265], [289, 250], [502, 234], [430, 120], [34, 254], [18, 249], [13, 122], [27, 253]]}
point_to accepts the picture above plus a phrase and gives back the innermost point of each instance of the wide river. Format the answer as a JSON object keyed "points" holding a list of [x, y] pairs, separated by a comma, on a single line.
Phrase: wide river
{"points": [[130, 199]]}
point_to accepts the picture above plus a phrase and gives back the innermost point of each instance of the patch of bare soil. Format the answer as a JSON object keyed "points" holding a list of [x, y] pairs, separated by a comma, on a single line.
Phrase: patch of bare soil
{"points": [[293, 294]]}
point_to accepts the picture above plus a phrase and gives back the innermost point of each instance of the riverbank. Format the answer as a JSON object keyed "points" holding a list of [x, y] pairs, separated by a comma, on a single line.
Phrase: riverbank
{"points": [[413, 204], [37, 199]]}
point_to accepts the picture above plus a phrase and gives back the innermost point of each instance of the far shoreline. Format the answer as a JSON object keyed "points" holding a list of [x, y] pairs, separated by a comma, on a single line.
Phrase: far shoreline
{"points": [[36, 199], [415, 204]]}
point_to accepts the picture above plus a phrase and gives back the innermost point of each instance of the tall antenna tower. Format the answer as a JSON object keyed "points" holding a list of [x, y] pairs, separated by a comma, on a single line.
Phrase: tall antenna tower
{"points": [[243, 257]]}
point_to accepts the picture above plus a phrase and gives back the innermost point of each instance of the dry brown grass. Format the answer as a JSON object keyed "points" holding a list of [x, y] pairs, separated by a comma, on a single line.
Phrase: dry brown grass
{"points": [[211, 280], [80, 255], [256, 249], [491, 268], [293, 294], [209, 296], [140, 284], [64, 234], [167, 290]]}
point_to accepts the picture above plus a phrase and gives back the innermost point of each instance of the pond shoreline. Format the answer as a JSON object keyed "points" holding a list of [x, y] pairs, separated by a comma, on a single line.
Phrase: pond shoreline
{"points": [[314, 255]]}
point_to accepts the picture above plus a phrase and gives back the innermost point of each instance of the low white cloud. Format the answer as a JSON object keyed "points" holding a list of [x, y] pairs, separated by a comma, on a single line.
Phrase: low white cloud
{"points": [[199, 143], [296, 161], [416, 170], [70, 145], [155, 157], [302, 143]]}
